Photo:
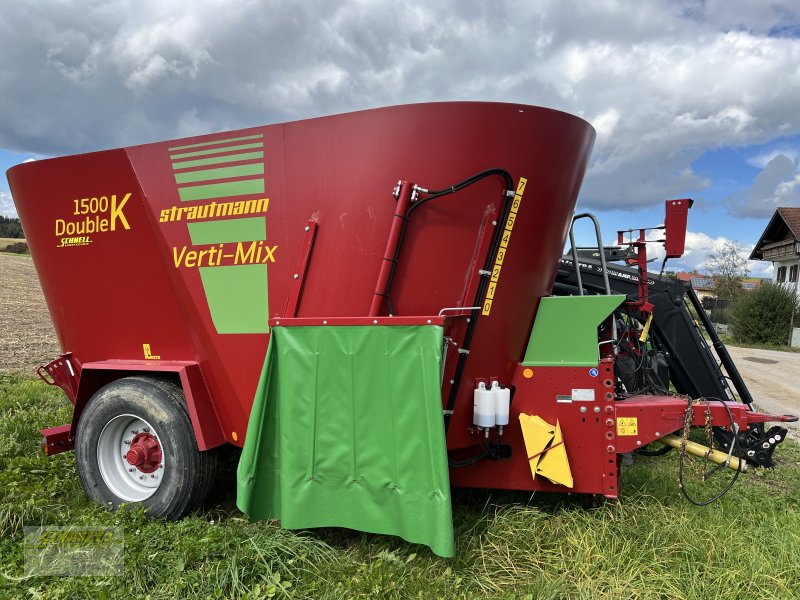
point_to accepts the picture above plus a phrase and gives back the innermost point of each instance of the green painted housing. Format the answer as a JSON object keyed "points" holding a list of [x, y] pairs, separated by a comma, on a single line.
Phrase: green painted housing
{"points": [[565, 330]]}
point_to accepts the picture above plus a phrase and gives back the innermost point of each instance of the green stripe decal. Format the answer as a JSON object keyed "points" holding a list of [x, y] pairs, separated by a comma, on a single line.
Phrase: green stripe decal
{"points": [[222, 173], [222, 190], [228, 230], [201, 162], [201, 144], [237, 298], [217, 150]]}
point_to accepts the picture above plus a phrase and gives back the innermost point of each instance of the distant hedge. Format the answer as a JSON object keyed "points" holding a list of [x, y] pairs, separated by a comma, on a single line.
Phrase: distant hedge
{"points": [[762, 316]]}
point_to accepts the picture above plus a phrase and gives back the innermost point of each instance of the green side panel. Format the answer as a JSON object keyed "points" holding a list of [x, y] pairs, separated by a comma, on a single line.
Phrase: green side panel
{"points": [[346, 430], [222, 190], [216, 150], [227, 141], [221, 173], [200, 162], [228, 230], [565, 330], [237, 298]]}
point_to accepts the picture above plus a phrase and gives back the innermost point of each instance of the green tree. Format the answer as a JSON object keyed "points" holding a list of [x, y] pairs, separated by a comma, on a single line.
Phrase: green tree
{"points": [[728, 267], [762, 316], [10, 228]]}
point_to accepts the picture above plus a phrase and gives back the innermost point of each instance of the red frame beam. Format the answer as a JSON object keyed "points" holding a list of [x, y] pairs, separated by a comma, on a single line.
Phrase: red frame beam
{"points": [[355, 321]]}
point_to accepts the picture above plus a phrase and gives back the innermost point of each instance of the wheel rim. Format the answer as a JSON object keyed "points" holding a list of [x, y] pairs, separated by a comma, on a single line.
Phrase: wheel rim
{"points": [[130, 458]]}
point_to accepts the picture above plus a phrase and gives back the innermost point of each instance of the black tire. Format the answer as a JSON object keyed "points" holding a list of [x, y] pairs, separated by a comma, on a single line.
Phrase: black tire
{"points": [[183, 475], [653, 449]]}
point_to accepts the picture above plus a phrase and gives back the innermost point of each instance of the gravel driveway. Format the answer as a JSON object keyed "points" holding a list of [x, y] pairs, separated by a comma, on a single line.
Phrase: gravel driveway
{"points": [[773, 378]]}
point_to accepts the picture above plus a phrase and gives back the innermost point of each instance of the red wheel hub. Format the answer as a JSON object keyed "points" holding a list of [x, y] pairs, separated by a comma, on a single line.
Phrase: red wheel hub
{"points": [[145, 453]]}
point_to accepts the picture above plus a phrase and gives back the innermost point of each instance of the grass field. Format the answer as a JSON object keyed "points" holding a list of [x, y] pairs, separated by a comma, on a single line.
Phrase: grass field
{"points": [[729, 341], [649, 544]]}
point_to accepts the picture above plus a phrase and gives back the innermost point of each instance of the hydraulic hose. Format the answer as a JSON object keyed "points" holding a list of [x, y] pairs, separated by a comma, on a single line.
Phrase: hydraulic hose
{"points": [[508, 195]]}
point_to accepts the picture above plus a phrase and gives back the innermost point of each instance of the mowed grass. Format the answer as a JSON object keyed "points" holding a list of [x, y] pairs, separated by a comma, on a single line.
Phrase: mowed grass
{"points": [[649, 544], [729, 341]]}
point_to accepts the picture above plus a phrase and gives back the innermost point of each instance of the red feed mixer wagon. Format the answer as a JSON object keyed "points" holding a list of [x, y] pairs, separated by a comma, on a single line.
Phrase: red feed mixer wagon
{"points": [[363, 303]]}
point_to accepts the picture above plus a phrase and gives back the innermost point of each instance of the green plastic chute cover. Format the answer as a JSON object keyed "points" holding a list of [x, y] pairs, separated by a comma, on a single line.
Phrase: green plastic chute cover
{"points": [[346, 430]]}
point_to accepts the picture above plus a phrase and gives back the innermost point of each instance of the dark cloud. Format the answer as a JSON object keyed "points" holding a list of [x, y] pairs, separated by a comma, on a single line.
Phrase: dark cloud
{"points": [[778, 184]]}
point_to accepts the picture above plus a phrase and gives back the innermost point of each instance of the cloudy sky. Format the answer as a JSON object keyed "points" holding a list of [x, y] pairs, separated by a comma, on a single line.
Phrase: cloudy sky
{"points": [[695, 99]]}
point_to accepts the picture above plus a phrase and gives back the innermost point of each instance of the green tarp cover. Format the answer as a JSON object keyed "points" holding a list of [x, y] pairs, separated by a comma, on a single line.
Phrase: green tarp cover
{"points": [[346, 430]]}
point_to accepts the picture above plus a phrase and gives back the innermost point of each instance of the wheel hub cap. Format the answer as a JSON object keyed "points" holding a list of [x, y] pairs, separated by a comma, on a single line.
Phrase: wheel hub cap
{"points": [[145, 453]]}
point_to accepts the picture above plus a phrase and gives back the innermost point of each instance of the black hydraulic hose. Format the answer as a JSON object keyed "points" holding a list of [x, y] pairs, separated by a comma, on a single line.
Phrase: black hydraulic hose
{"points": [[459, 464], [432, 195], [469, 181], [482, 285], [508, 195], [738, 455], [722, 351]]}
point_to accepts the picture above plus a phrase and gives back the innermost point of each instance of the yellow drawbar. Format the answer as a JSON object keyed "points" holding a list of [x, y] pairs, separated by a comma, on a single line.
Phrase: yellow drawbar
{"points": [[547, 453]]}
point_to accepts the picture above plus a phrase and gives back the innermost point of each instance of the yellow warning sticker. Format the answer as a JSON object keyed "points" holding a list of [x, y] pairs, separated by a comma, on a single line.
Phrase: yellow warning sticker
{"points": [[148, 353], [627, 426], [501, 254], [495, 273]]}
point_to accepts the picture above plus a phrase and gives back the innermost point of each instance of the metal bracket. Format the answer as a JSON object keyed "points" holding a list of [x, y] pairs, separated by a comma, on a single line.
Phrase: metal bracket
{"points": [[458, 308], [299, 277]]}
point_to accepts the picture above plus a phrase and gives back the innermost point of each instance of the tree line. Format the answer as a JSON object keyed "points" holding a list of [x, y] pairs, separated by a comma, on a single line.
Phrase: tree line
{"points": [[10, 227]]}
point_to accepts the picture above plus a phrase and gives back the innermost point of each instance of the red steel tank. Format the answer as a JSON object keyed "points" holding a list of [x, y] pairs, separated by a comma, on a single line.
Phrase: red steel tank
{"points": [[172, 258], [362, 302]]}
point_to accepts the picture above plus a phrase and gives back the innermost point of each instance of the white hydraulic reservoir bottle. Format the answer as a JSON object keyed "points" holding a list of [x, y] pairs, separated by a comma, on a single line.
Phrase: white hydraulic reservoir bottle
{"points": [[502, 403], [483, 406]]}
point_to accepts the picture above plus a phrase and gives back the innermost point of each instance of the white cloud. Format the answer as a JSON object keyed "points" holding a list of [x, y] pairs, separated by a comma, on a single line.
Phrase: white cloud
{"points": [[7, 208], [699, 246], [662, 81]]}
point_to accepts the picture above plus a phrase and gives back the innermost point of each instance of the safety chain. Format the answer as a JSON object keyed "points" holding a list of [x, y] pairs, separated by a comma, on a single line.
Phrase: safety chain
{"points": [[687, 425], [709, 431]]}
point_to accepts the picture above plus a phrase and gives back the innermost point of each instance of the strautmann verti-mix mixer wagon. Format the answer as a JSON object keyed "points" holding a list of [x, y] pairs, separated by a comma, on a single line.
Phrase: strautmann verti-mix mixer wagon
{"points": [[364, 304]]}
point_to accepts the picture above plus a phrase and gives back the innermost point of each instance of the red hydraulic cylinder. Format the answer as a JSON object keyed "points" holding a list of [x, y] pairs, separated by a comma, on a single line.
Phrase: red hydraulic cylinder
{"points": [[403, 203]]}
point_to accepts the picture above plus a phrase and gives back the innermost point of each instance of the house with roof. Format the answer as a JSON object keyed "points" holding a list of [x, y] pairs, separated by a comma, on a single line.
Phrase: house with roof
{"points": [[780, 244], [703, 285]]}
